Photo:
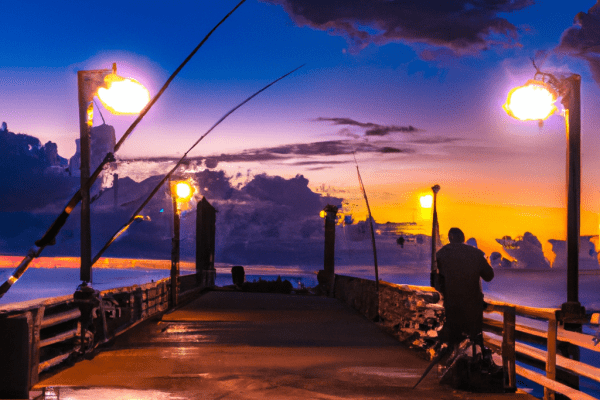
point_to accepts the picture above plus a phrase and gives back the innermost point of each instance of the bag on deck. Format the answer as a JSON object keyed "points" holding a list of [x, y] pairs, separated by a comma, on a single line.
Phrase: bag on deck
{"points": [[474, 372]]}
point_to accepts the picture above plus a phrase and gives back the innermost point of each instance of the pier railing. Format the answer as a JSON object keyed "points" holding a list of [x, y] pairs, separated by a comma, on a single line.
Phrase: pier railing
{"points": [[40, 334], [551, 337], [414, 314]]}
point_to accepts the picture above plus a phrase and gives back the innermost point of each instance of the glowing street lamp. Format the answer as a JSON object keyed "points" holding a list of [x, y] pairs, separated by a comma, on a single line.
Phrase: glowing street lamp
{"points": [[181, 193], [535, 101], [89, 84], [532, 102], [426, 201], [123, 96]]}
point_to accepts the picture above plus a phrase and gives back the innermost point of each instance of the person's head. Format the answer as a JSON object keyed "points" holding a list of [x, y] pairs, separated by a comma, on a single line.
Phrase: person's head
{"points": [[455, 235]]}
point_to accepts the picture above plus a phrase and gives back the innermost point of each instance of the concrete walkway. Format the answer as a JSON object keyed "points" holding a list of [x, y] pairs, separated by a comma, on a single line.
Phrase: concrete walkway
{"points": [[232, 345]]}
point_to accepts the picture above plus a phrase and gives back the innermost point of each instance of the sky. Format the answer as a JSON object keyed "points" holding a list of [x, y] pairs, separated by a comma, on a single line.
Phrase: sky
{"points": [[414, 89]]}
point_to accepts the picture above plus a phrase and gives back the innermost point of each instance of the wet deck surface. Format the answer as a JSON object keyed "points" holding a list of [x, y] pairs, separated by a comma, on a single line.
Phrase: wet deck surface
{"points": [[232, 345]]}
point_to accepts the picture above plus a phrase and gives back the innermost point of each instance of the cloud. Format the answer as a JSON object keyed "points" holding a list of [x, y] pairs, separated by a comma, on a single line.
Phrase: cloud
{"points": [[526, 250], [435, 140], [583, 39], [371, 129], [28, 168], [270, 220], [462, 26], [292, 152]]}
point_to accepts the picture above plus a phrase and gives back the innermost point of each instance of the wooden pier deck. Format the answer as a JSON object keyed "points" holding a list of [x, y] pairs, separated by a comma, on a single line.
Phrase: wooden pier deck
{"points": [[235, 345]]}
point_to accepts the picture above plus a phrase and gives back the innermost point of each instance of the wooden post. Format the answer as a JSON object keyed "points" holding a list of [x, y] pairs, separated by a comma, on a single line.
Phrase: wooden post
{"points": [[16, 339], [329, 257], [508, 350], [205, 242], [551, 356]]}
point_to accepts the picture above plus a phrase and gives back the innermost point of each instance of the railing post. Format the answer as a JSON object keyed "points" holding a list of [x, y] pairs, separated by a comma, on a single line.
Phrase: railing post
{"points": [[551, 356], [508, 350]]}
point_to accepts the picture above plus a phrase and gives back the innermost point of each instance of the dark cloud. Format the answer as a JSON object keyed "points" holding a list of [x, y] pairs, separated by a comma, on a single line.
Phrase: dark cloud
{"points": [[318, 162], [371, 129], [435, 140], [462, 26], [392, 150], [583, 39], [268, 220], [27, 169], [293, 151]]}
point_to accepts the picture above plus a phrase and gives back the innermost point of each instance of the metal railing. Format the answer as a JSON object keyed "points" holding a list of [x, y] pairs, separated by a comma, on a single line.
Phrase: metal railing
{"points": [[551, 336]]}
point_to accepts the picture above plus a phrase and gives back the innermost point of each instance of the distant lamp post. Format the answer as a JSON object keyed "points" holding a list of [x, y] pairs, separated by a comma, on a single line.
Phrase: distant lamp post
{"points": [[181, 194], [119, 97], [535, 101], [435, 233]]}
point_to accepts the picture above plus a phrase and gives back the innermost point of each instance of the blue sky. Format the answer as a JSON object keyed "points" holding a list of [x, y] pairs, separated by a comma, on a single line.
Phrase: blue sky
{"points": [[450, 88]]}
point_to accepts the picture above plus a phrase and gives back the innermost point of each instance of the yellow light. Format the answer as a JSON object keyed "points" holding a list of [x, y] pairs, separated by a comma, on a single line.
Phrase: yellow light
{"points": [[123, 95], [322, 214], [184, 191], [426, 201], [531, 102]]}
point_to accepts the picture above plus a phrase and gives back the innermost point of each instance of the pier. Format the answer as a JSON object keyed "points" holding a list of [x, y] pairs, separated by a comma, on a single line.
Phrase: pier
{"points": [[238, 345]]}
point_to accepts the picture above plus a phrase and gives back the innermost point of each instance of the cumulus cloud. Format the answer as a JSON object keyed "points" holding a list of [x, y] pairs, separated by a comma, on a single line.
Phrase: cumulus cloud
{"points": [[28, 168], [582, 40], [267, 220], [526, 250], [462, 26]]}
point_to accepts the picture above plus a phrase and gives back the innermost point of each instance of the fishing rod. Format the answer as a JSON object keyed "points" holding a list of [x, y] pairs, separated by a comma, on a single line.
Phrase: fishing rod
{"points": [[136, 215], [362, 188], [49, 237]]}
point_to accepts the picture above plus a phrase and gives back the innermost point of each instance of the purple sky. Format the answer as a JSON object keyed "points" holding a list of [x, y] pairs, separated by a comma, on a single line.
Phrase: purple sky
{"points": [[415, 90]]}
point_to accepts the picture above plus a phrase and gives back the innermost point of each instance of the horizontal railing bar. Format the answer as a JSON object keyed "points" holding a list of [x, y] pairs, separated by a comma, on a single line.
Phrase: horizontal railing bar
{"points": [[540, 379], [59, 338], [61, 317], [576, 338], [566, 363], [544, 313]]}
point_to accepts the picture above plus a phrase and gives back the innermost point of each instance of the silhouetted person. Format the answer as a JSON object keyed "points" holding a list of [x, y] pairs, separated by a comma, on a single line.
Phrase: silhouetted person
{"points": [[461, 266], [400, 241]]}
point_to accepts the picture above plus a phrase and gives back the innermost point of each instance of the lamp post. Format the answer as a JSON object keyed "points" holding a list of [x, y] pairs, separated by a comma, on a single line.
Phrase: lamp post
{"points": [[181, 193], [435, 232], [535, 101], [329, 213], [120, 96]]}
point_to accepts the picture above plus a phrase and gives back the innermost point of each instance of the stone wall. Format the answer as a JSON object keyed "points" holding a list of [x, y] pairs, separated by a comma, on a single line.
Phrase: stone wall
{"points": [[413, 314]]}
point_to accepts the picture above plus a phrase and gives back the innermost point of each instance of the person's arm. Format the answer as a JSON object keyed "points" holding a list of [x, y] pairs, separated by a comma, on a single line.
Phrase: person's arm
{"points": [[440, 286], [486, 270]]}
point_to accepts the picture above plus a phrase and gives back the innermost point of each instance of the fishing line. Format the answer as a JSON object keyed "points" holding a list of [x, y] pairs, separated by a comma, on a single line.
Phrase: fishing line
{"points": [[362, 188], [136, 215], [49, 237]]}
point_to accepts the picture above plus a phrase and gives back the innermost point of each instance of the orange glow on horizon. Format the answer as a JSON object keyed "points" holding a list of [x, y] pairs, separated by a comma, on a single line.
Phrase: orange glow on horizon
{"points": [[484, 222]]}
